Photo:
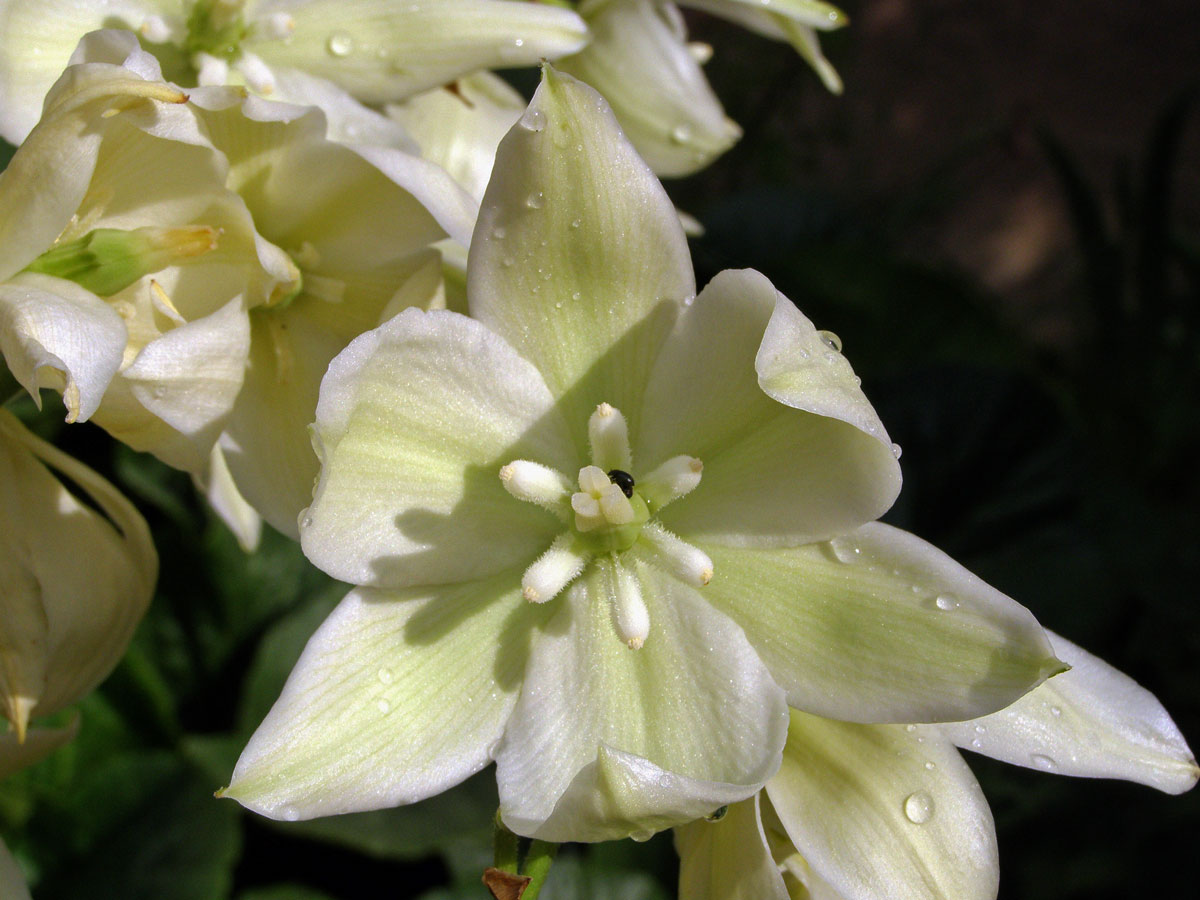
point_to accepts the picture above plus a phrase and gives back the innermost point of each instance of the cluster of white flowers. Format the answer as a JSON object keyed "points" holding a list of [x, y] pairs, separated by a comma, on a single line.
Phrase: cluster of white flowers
{"points": [[612, 534]]}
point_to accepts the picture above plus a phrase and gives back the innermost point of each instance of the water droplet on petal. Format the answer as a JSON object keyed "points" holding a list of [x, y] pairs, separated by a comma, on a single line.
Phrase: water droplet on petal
{"points": [[533, 120], [576, 295], [383, 705], [896, 451], [1043, 762], [575, 223], [385, 675], [1055, 711], [535, 200], [946, 602], [681, 134], [339, 44], [288, 813], [830, 340], [918, 807], [498, 232], [910, 728], [845, 550], [930, 765]]}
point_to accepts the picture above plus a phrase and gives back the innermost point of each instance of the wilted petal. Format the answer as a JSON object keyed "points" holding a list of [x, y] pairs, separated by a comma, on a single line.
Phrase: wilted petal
{"points": [[688, 723], [578, 258], [645, 70], [879, 626], [874, 819], [728, 859], [1092, 721], [381, 51], [55, 334], [75, 582], [410, 489], [792, 450], [398, 696]]}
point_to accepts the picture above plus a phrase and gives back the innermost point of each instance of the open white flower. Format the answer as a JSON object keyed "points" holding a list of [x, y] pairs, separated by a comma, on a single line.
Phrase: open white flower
{"points": [[640, 59], [285, 246], [859, 812], [74, 582], [304, 51], [604, 527]]}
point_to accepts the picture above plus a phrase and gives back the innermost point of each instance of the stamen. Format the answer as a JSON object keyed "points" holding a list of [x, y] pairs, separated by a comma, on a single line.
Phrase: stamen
{"points": [[210, 69], [553, 570], [686, 562], [277, 26], [599, 502], [257, 74], [156, 30], [608, 434], [535, 483], [631, 619], [670, 481]]}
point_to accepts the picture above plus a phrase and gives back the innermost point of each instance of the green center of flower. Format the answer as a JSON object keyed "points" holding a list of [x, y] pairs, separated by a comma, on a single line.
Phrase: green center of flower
{"points": [[213, 40], [608, 511]]}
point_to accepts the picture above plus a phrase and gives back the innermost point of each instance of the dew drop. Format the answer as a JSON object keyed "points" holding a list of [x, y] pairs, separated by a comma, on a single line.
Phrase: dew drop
{"points": [[306, 522], [910, 728], [289, 813], [575, 223], [385, 675], [535, 200], [1055, 711], [498, 232], [558, 305], [918, 807], [830, 340], [383, 705], [642, 836], [576, 295], [681, 134], [1043, 762], [980, 729], [946, 602], [802, 353], [896, 450], [930, 765], [533, 120], [339, 44], [845, 550]]}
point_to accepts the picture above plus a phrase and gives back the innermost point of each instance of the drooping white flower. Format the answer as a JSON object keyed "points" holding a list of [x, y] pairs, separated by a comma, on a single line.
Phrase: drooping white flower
{"points": [[305, 243], [604, 527], [305, 51], [640, 59], [859, 812], [74, 582]]}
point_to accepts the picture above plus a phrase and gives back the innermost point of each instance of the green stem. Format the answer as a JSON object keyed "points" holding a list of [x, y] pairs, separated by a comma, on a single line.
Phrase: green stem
{"points": [[522, 856]]}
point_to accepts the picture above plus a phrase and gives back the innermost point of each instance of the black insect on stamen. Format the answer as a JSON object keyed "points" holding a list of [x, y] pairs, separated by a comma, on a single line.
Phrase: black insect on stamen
{"points": [[623, 480]]}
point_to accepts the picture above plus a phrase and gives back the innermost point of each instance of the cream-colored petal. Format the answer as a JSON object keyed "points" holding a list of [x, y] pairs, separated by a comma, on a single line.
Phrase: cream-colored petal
{"points": [[578, 259], [885, 811], [222, 494], [12, 879], [459, 126], [39, 743], [728, 859], [55, 334], [1093, 721], [383, 51], [398, 696], [414, 422], [647, 73], [608, 741], [792, 450], [879, 626], [37, 38]]}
